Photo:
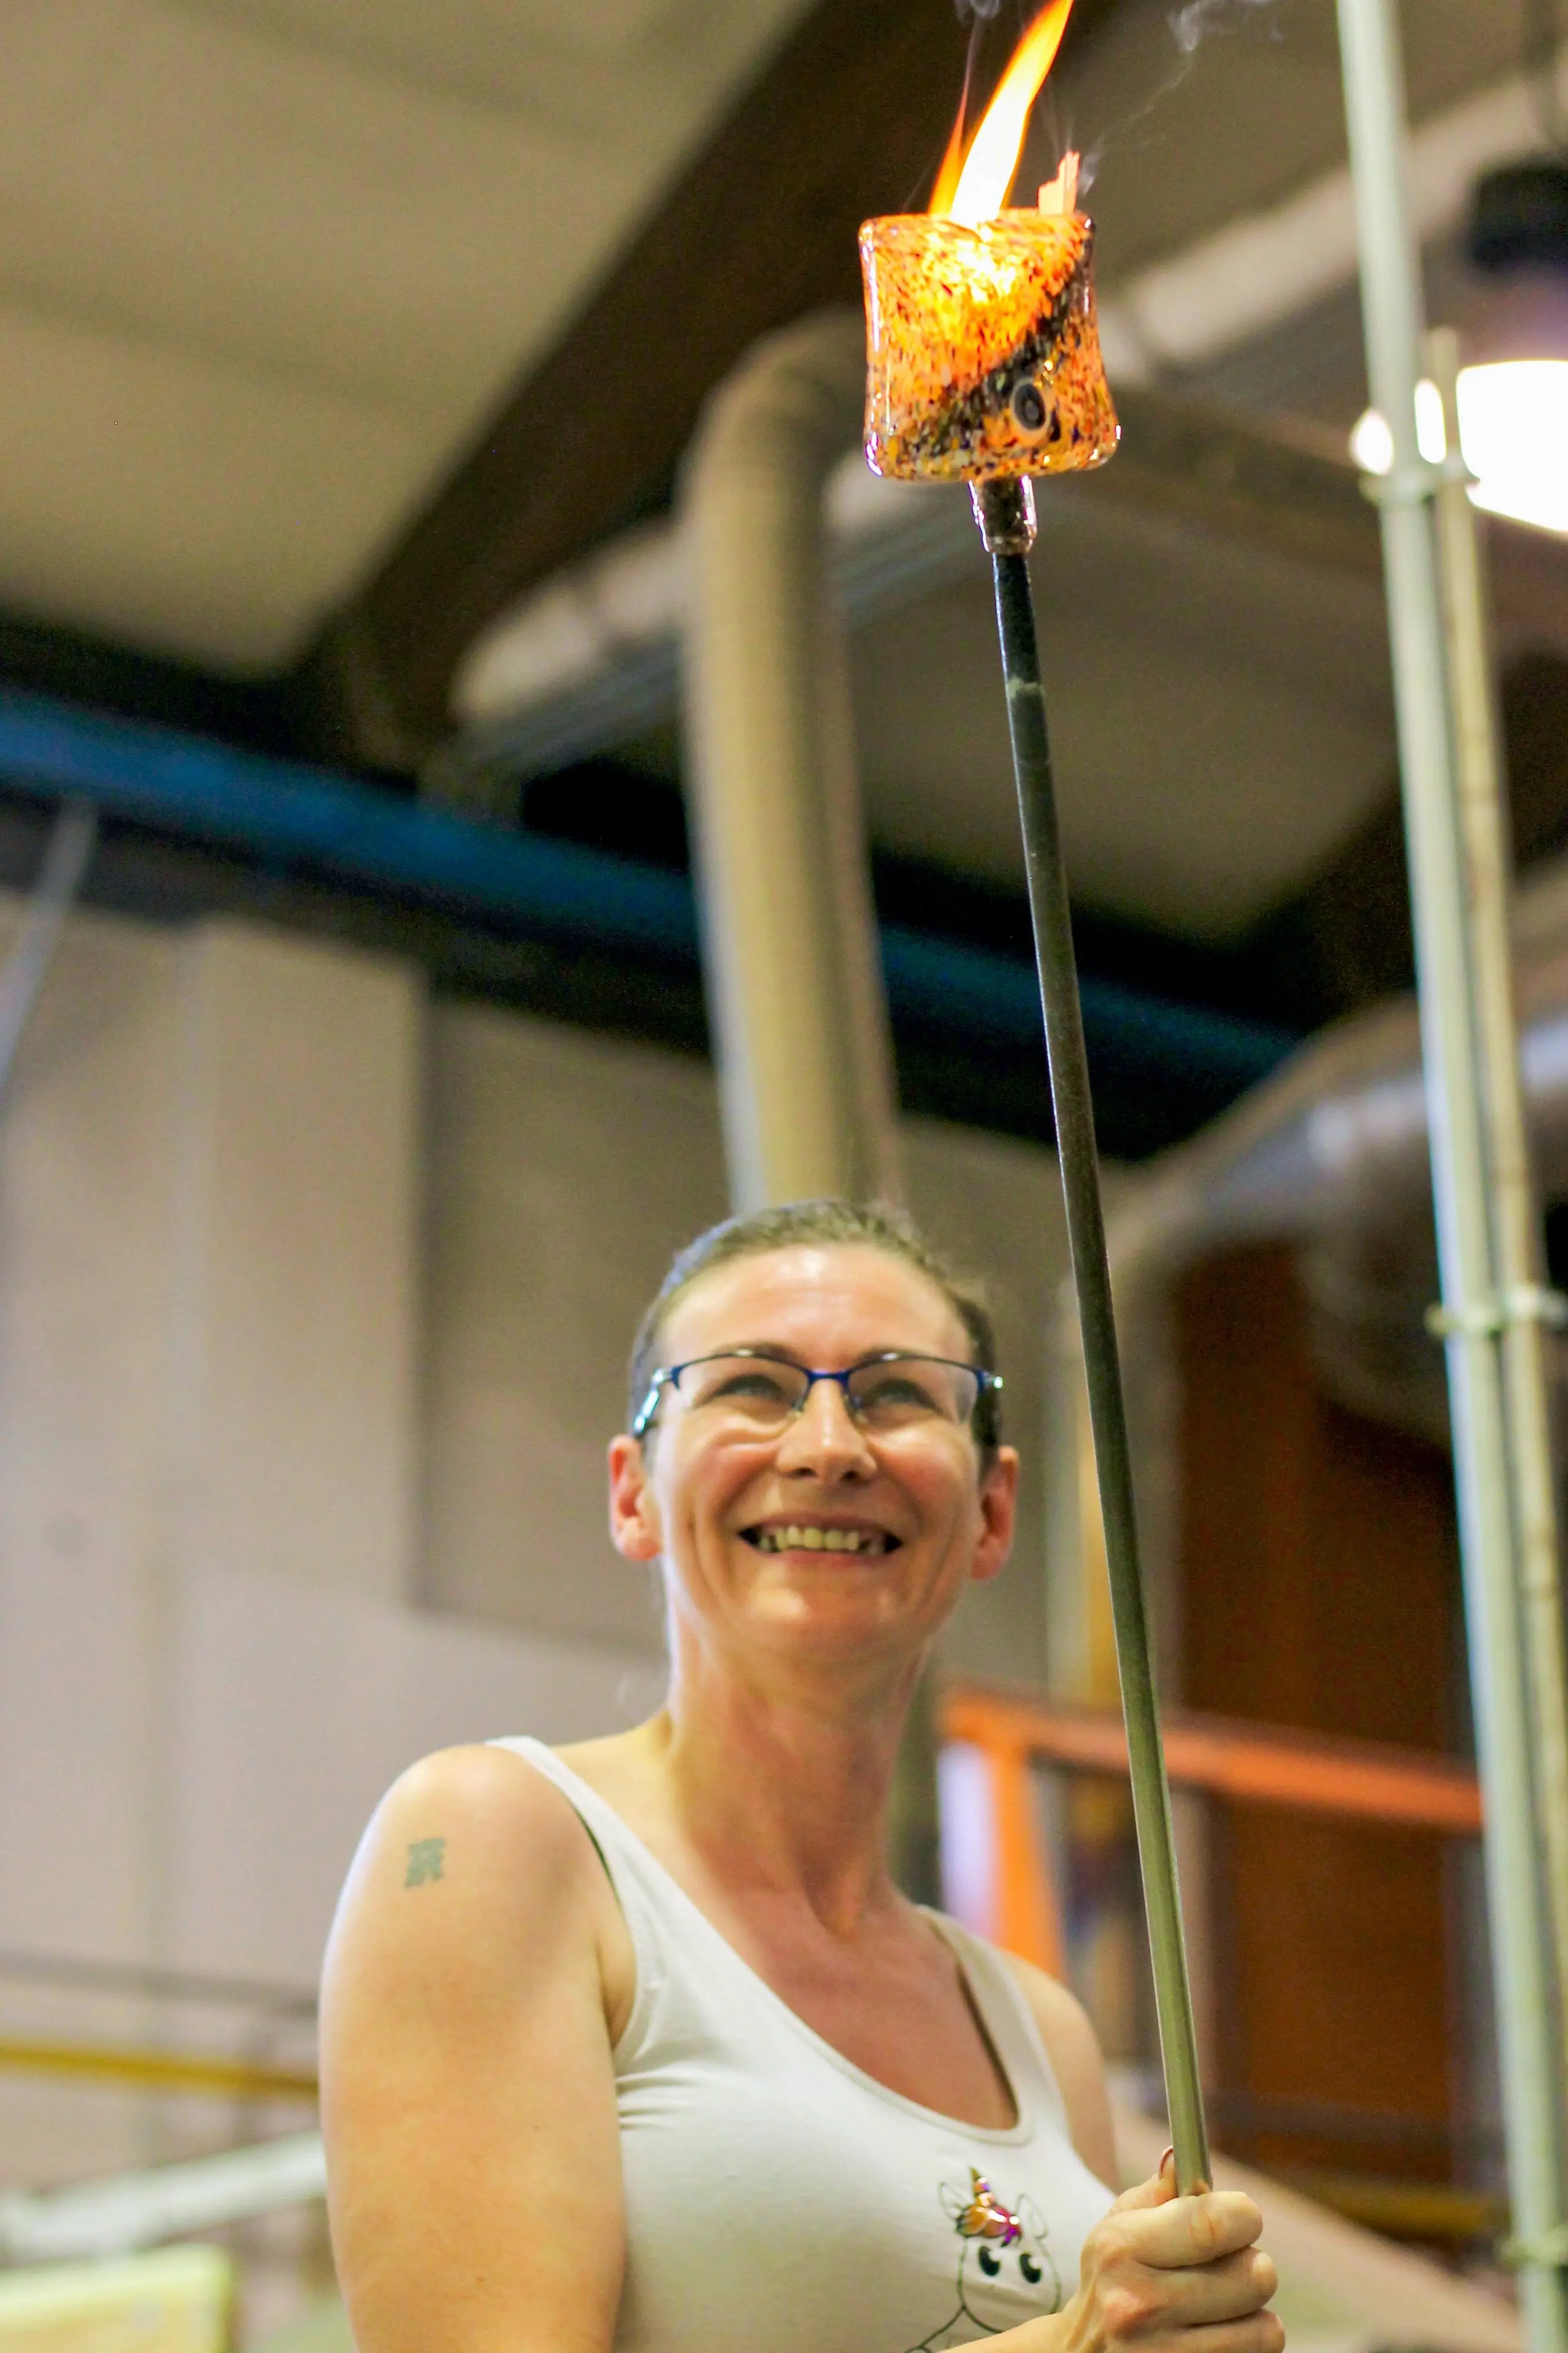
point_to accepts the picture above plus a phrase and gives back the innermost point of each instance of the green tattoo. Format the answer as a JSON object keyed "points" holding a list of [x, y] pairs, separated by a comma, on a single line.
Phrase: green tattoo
{"points": [[425, 1862]]}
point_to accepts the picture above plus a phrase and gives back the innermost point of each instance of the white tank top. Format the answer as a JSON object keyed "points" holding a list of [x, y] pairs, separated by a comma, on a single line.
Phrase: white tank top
{"points": [[776, 2196]]}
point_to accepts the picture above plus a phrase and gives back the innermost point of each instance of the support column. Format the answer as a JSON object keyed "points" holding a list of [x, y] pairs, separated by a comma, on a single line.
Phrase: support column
{"points": [[794, 985]]}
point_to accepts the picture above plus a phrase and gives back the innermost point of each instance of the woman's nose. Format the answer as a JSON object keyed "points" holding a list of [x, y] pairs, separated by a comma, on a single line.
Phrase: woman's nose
{"points": [[823, 1431]]}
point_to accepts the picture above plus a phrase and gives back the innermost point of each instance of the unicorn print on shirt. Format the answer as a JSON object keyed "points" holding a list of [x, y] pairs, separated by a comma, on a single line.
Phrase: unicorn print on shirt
{"points": [[1005, 2274]]}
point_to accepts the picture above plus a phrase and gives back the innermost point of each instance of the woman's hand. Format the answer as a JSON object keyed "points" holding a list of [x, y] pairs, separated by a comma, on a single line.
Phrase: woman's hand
{"points": [[1161, 2267]]}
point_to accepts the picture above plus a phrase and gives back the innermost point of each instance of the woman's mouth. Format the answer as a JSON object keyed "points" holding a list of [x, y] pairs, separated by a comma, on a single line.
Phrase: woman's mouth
{"points": [[818, 1536]]}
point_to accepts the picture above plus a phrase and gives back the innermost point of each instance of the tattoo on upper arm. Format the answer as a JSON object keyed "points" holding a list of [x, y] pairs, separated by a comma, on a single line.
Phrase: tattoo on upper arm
{"points": [[425, 1862]]}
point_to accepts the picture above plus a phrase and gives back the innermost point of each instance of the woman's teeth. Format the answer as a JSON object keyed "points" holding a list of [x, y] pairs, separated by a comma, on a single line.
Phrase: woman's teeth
{"points": [[820, 1539]]}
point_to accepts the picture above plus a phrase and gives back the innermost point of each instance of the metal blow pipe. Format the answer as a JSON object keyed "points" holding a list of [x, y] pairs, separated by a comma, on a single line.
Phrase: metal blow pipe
{"points": [[983, 365], [1452, 1044], [1005, 510]]}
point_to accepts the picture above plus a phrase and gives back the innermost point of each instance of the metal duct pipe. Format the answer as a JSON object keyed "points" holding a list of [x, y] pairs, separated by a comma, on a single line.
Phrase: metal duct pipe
{"points": [[790, 957], [1329, 1153]]}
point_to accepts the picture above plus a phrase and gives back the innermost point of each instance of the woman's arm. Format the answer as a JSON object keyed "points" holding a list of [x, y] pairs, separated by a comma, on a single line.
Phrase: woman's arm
{"points": [[468, 2093]]}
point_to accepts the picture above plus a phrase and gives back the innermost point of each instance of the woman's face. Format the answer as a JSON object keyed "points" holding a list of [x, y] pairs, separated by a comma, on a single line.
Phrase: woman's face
{"points": [[820, 1536]]}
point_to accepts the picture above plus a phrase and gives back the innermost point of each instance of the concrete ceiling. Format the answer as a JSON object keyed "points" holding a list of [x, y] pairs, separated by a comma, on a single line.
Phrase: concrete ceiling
{"points": [[1220, 724], [266, 264]]}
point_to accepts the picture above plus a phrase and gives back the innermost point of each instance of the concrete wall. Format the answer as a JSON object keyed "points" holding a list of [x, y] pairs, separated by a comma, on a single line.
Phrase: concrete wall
{"points": [[297, 1259], [564, 1171], [315, 1304], [209, 1286]]}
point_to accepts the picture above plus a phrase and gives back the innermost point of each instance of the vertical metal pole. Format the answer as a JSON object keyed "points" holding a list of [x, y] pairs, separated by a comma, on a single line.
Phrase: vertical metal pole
{"points": [[1524, 1304], [789, 938], [1006, 513], [1531, 2057]]}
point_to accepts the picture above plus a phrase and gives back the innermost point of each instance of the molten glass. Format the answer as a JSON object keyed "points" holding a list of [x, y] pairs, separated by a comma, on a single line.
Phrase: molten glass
{"points": [[982, 348]]}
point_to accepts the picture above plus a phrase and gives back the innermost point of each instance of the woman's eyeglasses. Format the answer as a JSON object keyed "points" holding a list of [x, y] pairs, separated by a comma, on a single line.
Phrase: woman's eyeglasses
{"points": [[760, 1391]]}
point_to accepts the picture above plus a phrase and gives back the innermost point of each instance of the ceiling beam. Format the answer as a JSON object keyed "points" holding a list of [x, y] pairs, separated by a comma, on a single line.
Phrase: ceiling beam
{"points": [[849, 118]]}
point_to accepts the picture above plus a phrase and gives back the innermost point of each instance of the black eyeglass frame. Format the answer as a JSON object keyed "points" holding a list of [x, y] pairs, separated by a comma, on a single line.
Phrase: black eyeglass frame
{"points": [[986, 1383]]}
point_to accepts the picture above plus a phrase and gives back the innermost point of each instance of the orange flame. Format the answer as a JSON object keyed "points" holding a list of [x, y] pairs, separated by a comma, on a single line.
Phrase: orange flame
{"points": [[973, 182]]}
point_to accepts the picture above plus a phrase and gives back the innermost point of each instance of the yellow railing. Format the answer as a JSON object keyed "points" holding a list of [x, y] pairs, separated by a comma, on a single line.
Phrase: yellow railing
{"points": [[158, 2071]]}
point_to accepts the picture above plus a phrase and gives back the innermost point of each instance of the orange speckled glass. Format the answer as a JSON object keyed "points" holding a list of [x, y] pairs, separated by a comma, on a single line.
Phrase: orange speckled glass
{"points": [[982, 353]]}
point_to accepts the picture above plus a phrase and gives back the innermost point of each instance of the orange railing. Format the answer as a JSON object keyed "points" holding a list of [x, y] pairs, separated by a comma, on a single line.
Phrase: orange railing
{"points": [[1251, 1764]]}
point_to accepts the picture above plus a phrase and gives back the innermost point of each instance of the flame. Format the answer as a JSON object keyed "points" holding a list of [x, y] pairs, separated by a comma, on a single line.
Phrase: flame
{"points": [[972, 184], [1060, 195]]}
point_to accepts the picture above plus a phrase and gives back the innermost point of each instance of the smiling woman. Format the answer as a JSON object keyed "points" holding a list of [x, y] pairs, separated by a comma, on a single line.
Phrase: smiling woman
{"points": [[658, 2058]]}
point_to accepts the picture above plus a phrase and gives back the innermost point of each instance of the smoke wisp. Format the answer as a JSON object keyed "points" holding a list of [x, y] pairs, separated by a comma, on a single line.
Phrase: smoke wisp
{"points": [[1190, 26]]}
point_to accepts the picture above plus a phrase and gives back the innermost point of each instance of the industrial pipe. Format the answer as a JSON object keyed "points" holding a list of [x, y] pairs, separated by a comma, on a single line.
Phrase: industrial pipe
{"points": [[1529, 2045], [795, 997], [1515, 1209], [297, 816]]}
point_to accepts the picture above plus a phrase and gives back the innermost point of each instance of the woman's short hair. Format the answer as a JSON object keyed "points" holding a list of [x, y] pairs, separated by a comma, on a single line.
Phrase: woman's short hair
{"points": [[873, 1225]]}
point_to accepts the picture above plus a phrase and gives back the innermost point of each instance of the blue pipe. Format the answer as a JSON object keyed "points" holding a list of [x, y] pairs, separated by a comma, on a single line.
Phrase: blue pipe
{"points": [[186, 784], [997, 1000]]}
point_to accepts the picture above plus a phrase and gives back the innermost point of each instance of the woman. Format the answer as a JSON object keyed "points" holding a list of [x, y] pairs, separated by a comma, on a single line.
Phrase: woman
{"points": [[637, 2046]]}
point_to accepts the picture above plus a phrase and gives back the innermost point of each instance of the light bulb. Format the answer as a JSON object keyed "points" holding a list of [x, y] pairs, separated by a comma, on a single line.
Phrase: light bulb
{"points": [[1513, 431]]}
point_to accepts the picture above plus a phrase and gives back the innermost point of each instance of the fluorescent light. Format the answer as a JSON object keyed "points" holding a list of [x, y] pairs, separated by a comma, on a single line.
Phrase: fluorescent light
{"points": [[1513, 429]]}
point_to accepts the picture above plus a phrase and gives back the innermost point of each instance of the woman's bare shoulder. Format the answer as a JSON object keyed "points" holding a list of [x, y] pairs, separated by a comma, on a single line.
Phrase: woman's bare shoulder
{"points": [[473, 1858], [486, 1792], [1073, 2049]]}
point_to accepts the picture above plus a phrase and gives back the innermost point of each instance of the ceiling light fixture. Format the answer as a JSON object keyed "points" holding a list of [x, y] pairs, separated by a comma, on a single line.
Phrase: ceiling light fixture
{"points": [[1513, 433], [1513, 404]]}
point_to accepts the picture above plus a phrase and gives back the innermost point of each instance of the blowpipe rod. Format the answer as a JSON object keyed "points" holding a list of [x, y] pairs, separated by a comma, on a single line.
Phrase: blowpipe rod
{"points": [[1006, 513]]}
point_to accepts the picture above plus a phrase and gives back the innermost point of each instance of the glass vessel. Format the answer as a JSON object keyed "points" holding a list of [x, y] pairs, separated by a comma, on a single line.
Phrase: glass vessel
{"points": [[982, 353]]}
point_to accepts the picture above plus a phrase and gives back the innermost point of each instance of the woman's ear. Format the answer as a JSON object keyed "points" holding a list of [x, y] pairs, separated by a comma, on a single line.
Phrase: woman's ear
{"points": [[998, 1516], [635, 1529]]}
